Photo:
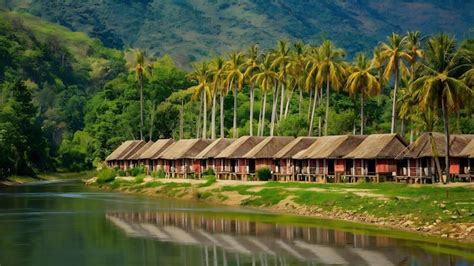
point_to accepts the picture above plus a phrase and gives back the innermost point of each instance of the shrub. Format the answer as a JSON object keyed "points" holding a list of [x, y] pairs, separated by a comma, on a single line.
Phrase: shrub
{"points": [[121, 172], [105, 175], [139, 179], [161, 173], [135, 171], [209, 172], [210, 180], [264, 174]]}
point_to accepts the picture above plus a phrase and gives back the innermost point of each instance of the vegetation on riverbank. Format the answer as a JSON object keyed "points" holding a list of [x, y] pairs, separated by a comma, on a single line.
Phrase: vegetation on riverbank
{"points": [[446, 211]]}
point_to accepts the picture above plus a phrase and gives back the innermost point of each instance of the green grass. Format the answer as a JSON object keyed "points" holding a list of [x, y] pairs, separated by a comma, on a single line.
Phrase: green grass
{"points": [[210, 180]]}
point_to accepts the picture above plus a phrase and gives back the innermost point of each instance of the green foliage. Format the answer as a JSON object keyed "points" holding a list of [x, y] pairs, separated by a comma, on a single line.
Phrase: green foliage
{"points": [[210, 180], [264, 174], [136, 171], [139, 179], [209, 172], [105, 175]]}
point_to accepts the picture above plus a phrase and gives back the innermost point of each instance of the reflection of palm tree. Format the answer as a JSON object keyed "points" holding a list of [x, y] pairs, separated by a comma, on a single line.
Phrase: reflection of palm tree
{"points": [[138, 63], [440, 86], [363, 82]]}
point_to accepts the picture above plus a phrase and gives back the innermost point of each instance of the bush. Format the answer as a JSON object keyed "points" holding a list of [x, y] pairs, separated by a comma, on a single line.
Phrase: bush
{"points": [[161, 173], [139, 179], [135, 171], [209, 172], [121, 172], [210, 180], [105, 175], [264, 174]]}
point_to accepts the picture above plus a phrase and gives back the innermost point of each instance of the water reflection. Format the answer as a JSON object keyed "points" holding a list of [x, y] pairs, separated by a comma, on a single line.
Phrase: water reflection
{"points": [[228, 241]]}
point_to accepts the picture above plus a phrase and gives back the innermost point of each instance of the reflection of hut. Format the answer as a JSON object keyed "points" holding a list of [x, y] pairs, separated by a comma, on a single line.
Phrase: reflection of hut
{"points": [[324, 158], [287, 170], [178, 157], [422, 155], [261, 156], [233, 165], [151, 157], [375, 156], [466, 162], [206, 159], [113, 160]]}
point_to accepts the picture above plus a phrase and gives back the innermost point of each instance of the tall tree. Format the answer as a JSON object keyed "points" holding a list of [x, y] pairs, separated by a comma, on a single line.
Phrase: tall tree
{"points": [[395, 52], [440, 86], [234, 81], [202, 75], [217, 72], [331, 72], [251, 66], [138, 63], [280, 65], [361, 81]]}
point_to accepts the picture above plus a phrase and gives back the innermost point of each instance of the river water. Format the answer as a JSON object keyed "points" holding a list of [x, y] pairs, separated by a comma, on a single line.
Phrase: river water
{"points": [[66, 223]]}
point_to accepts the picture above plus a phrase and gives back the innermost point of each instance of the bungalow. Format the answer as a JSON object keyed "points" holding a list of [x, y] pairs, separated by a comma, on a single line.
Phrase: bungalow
{"points": [[112, 160], [179, 157], [375, 157], [262, 155], [206, 159], [134, 159], [123, 161], [151, 157], [286, 170], [323, 160], [231, 164], [466, 162], [422, 155]]}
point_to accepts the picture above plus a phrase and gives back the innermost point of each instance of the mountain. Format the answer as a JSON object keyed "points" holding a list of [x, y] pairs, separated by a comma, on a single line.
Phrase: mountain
{"points": [[192, 29]]}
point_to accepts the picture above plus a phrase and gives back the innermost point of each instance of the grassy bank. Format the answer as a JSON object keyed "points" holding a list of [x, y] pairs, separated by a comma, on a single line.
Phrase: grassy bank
{"points": [[446, 211], [50, 177]]}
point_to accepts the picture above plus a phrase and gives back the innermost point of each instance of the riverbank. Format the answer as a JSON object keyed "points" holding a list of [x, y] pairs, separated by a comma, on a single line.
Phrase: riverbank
{"points": [[441, 210], [19, 180]]}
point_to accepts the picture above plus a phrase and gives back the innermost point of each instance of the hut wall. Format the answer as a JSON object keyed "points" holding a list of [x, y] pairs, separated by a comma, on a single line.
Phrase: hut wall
{"points": [[264, 163], [384, 166], [454, 165], [241, 166], [196, 166], [339, 166], [412, 166], [358, 167]]}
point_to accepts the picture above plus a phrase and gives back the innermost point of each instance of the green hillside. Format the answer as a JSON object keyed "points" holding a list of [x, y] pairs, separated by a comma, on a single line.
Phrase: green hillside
{"points": [[192, 29]]}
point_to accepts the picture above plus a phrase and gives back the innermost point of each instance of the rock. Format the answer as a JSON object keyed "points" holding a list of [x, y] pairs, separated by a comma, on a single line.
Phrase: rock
{"points": [[438, 221], [435, 202], [454, 217], [444, 235], [442, 205], [408, 223], [470, 229]]}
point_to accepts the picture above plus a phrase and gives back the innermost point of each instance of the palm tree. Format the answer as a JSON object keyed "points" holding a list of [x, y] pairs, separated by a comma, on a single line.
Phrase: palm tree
{"points": [[415, 51], [395, 51], [251, 66], [234, 74], [378, 63], [202, 75], [363, 82], [217, 70], [297, 71], [311, 84], [331, 71], [138, 62], [440, 85], [280, 64], [265, 78]]}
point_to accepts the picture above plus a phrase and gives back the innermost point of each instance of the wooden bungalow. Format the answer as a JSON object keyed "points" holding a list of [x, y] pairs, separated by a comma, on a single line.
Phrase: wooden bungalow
{"points": [[230, 162], [206, 159], [151, 157], [123, 160], [375, 157], [112, 160], [262, 155], [179, 157], [421, 157], [134, 159], [286, 170], [323, 160], [466, 162]]}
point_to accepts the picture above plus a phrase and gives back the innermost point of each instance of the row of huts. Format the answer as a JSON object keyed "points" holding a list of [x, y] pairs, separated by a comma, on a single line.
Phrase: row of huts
{"points": [[329, 158]]}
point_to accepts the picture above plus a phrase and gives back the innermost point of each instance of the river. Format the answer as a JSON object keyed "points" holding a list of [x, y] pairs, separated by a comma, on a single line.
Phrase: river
{"points": [[66, 223]]}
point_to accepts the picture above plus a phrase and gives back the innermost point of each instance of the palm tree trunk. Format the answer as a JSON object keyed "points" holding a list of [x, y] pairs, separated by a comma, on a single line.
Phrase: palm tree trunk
{"points": [[198, 124], [141, 108], [222, 114], [319, 126], [262, 126], [394, 103], [288, 101], [181, 120], [204, 116], [402, 127], [300, 101], [434, 151], [327, 108], [152, 120], [447, 139], [260, 117], [234, 124], [310, 101], [213, 116], [282, 100], [251, 110], [313, 108], [274, 110], [362, 113], [411, 135]]}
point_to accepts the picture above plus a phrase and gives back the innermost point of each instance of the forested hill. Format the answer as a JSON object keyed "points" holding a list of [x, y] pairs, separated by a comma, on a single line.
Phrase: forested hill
{"points": [[192, 29]]}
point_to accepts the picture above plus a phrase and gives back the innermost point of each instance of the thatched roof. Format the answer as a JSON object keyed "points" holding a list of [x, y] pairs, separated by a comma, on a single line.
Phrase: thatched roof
{"points": [[330, 147], [185, 149], [156, 149], [216, 147], [119, 151], [422, 146], [297, 145], [379, 146], [240, 147], [139, 152], [268, 147], [132, 149], [468, 151]]}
